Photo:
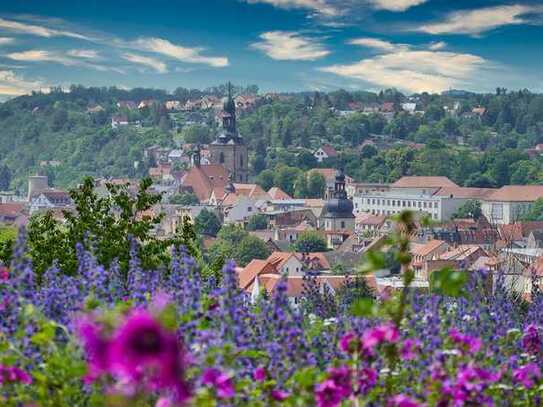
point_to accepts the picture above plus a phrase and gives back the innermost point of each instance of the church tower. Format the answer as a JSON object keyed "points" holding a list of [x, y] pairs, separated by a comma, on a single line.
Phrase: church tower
{"points": [[339, 217], [229, 148]]}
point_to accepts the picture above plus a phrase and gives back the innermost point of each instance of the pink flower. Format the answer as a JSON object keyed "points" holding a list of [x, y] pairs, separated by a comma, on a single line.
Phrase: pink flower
{"points": [[409, 349], [469, 343], [401, 400], [97, 348], [259, 374], [342, 377], [4, 273], [279, 395], [349, 343], [385, 333], [531, 341], [527, 375], [328, 394], [12, 374], [164, 402], [367, 379], [220, 381]]}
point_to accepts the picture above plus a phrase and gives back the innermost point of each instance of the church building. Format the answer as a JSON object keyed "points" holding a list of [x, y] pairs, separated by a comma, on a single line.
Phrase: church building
{"points": [[229, 148]]}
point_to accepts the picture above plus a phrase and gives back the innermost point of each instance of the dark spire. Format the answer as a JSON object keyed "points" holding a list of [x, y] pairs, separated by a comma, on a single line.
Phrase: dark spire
{"points": [[339, 188], [196, 156]]}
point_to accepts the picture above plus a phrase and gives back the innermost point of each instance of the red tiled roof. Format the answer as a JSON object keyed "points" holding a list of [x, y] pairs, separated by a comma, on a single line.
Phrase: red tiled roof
{"points": [[205, 179], [256, 267], [278, 194], [426, 248], [517, 193], [329, 150], [11, 209], [369, 219], [466, 193], [424, 182]]}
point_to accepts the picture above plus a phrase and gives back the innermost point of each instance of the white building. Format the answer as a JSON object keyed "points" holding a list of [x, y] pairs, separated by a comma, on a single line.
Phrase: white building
{"points": [[507, 204], [437, 197]]}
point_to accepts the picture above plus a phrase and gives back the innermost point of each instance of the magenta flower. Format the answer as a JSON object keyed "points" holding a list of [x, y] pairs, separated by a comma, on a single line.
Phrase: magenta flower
{"points": [[531, 341], [328, 394], [220, 381], [469, 343], [409, 349], [527, 375], [4, 274], [385, 333], [279, 395], [342, 377], [259, 374], [97, 348], [349, 342], [13, 374], [401, 400], [367, 379]]}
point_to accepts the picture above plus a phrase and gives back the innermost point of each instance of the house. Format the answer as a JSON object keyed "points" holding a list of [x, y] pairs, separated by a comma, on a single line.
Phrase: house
{"points": [[48, 200], [277, 193], [479, 111], [291, 234], [325, 152], [177, 155], [127, 104], [507, 204], [119, 120], [163, 171], [204, 180], [409, 107], [239, 211], [9, 212], [173, 105], [424, 252], [95, 109], [368, 225], [146, 103]]}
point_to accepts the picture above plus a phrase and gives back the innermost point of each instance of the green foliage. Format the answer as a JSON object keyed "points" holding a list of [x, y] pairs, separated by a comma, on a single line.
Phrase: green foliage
{"points": [[196, 134], [535, 213], [106, 225], [258, 221], [448, 282], [207, 223], [8, 235], [250, 248], [233, 242], [310, 241], [184, 198], [5, 177], [471, 210]]}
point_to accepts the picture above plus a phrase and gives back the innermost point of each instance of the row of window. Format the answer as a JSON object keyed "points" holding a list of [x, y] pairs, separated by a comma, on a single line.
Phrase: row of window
{"points": [[399, 203], [392, 212]]}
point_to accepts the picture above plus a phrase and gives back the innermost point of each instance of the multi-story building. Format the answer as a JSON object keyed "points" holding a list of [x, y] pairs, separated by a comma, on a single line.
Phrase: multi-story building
{"points": [[507, 204], [438, 197]]}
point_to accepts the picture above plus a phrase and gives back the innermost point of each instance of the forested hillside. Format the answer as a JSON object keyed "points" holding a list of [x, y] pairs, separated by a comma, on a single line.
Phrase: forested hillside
{"points": [[476, 140]]}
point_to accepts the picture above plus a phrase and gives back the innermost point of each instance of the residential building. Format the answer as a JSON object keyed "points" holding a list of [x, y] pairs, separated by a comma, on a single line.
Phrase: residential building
{"points": [[49, 199], [510, 202], [325, 152], [119, 120]]}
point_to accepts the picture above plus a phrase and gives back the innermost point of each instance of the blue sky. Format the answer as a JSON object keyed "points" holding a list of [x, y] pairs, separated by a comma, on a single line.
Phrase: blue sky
{"points": [[281, 45]]}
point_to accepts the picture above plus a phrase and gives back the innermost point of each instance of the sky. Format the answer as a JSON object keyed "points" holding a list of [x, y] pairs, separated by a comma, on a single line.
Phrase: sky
{"points": [[279, 45]]}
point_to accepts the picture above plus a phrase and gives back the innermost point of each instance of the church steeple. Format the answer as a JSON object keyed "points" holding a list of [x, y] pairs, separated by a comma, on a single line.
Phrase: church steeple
{"points": [[229, 114]]}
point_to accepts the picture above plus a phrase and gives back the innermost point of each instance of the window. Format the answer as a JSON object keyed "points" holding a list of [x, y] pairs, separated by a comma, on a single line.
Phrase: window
{"points": [[342, 224], [497, 211], [221, 157], [250, 209]]}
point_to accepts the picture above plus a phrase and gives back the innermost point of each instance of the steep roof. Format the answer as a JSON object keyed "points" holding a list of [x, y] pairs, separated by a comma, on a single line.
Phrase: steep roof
{"points": [[461, 252], [256, 267], [424, 182], [277, 193], [329, 150], [370, 219], [517, 193], [253, 191], [465, 193], [205, 179]]}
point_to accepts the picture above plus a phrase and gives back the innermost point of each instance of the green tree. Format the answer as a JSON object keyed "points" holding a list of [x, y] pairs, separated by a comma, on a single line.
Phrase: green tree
{"points": [[207, 223], [265, 179], [310, 241], [258, 221], [285, 178], [184, 198], [7, 241], [250, 247], [316, 185], [107, 225], [5, 177], [470, 210], [535, 213], [196, 133]]}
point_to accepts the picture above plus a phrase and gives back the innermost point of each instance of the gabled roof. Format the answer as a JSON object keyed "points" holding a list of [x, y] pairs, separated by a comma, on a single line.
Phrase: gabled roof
{"points": [[253, 191], [461, 252], [11, 209], [517, 193], [329, 150], [465, 193], [278, 194], [424, 182], [256, 267], [205, 179], [426, 248], [370, 219]]}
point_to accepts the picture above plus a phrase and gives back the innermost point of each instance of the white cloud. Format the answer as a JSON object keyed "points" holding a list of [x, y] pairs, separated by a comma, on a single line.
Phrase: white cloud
{"points": [[39, 30], [435, 46], [480, 20], [83, 53], [377, 44], [396, 5], [6, 40], [14, 85], [183, 54], [153, 63], [413, 70], [286, 45], [38, 55], [319, 6]]}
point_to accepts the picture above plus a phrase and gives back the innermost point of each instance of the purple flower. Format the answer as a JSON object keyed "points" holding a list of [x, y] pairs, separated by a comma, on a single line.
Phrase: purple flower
{"points": [[328, 394], [220, 381], [12, 374], [279, 395], [409, 349], [342, 377], [97, 348], [469, 343], [527, 375], [385, 333], [401, 400], [531, 341], [259, 374], [349, 343], [367, 379]]}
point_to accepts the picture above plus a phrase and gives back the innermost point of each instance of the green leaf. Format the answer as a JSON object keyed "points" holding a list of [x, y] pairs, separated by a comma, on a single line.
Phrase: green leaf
{"points": [[448, 282], [364, 307]]}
